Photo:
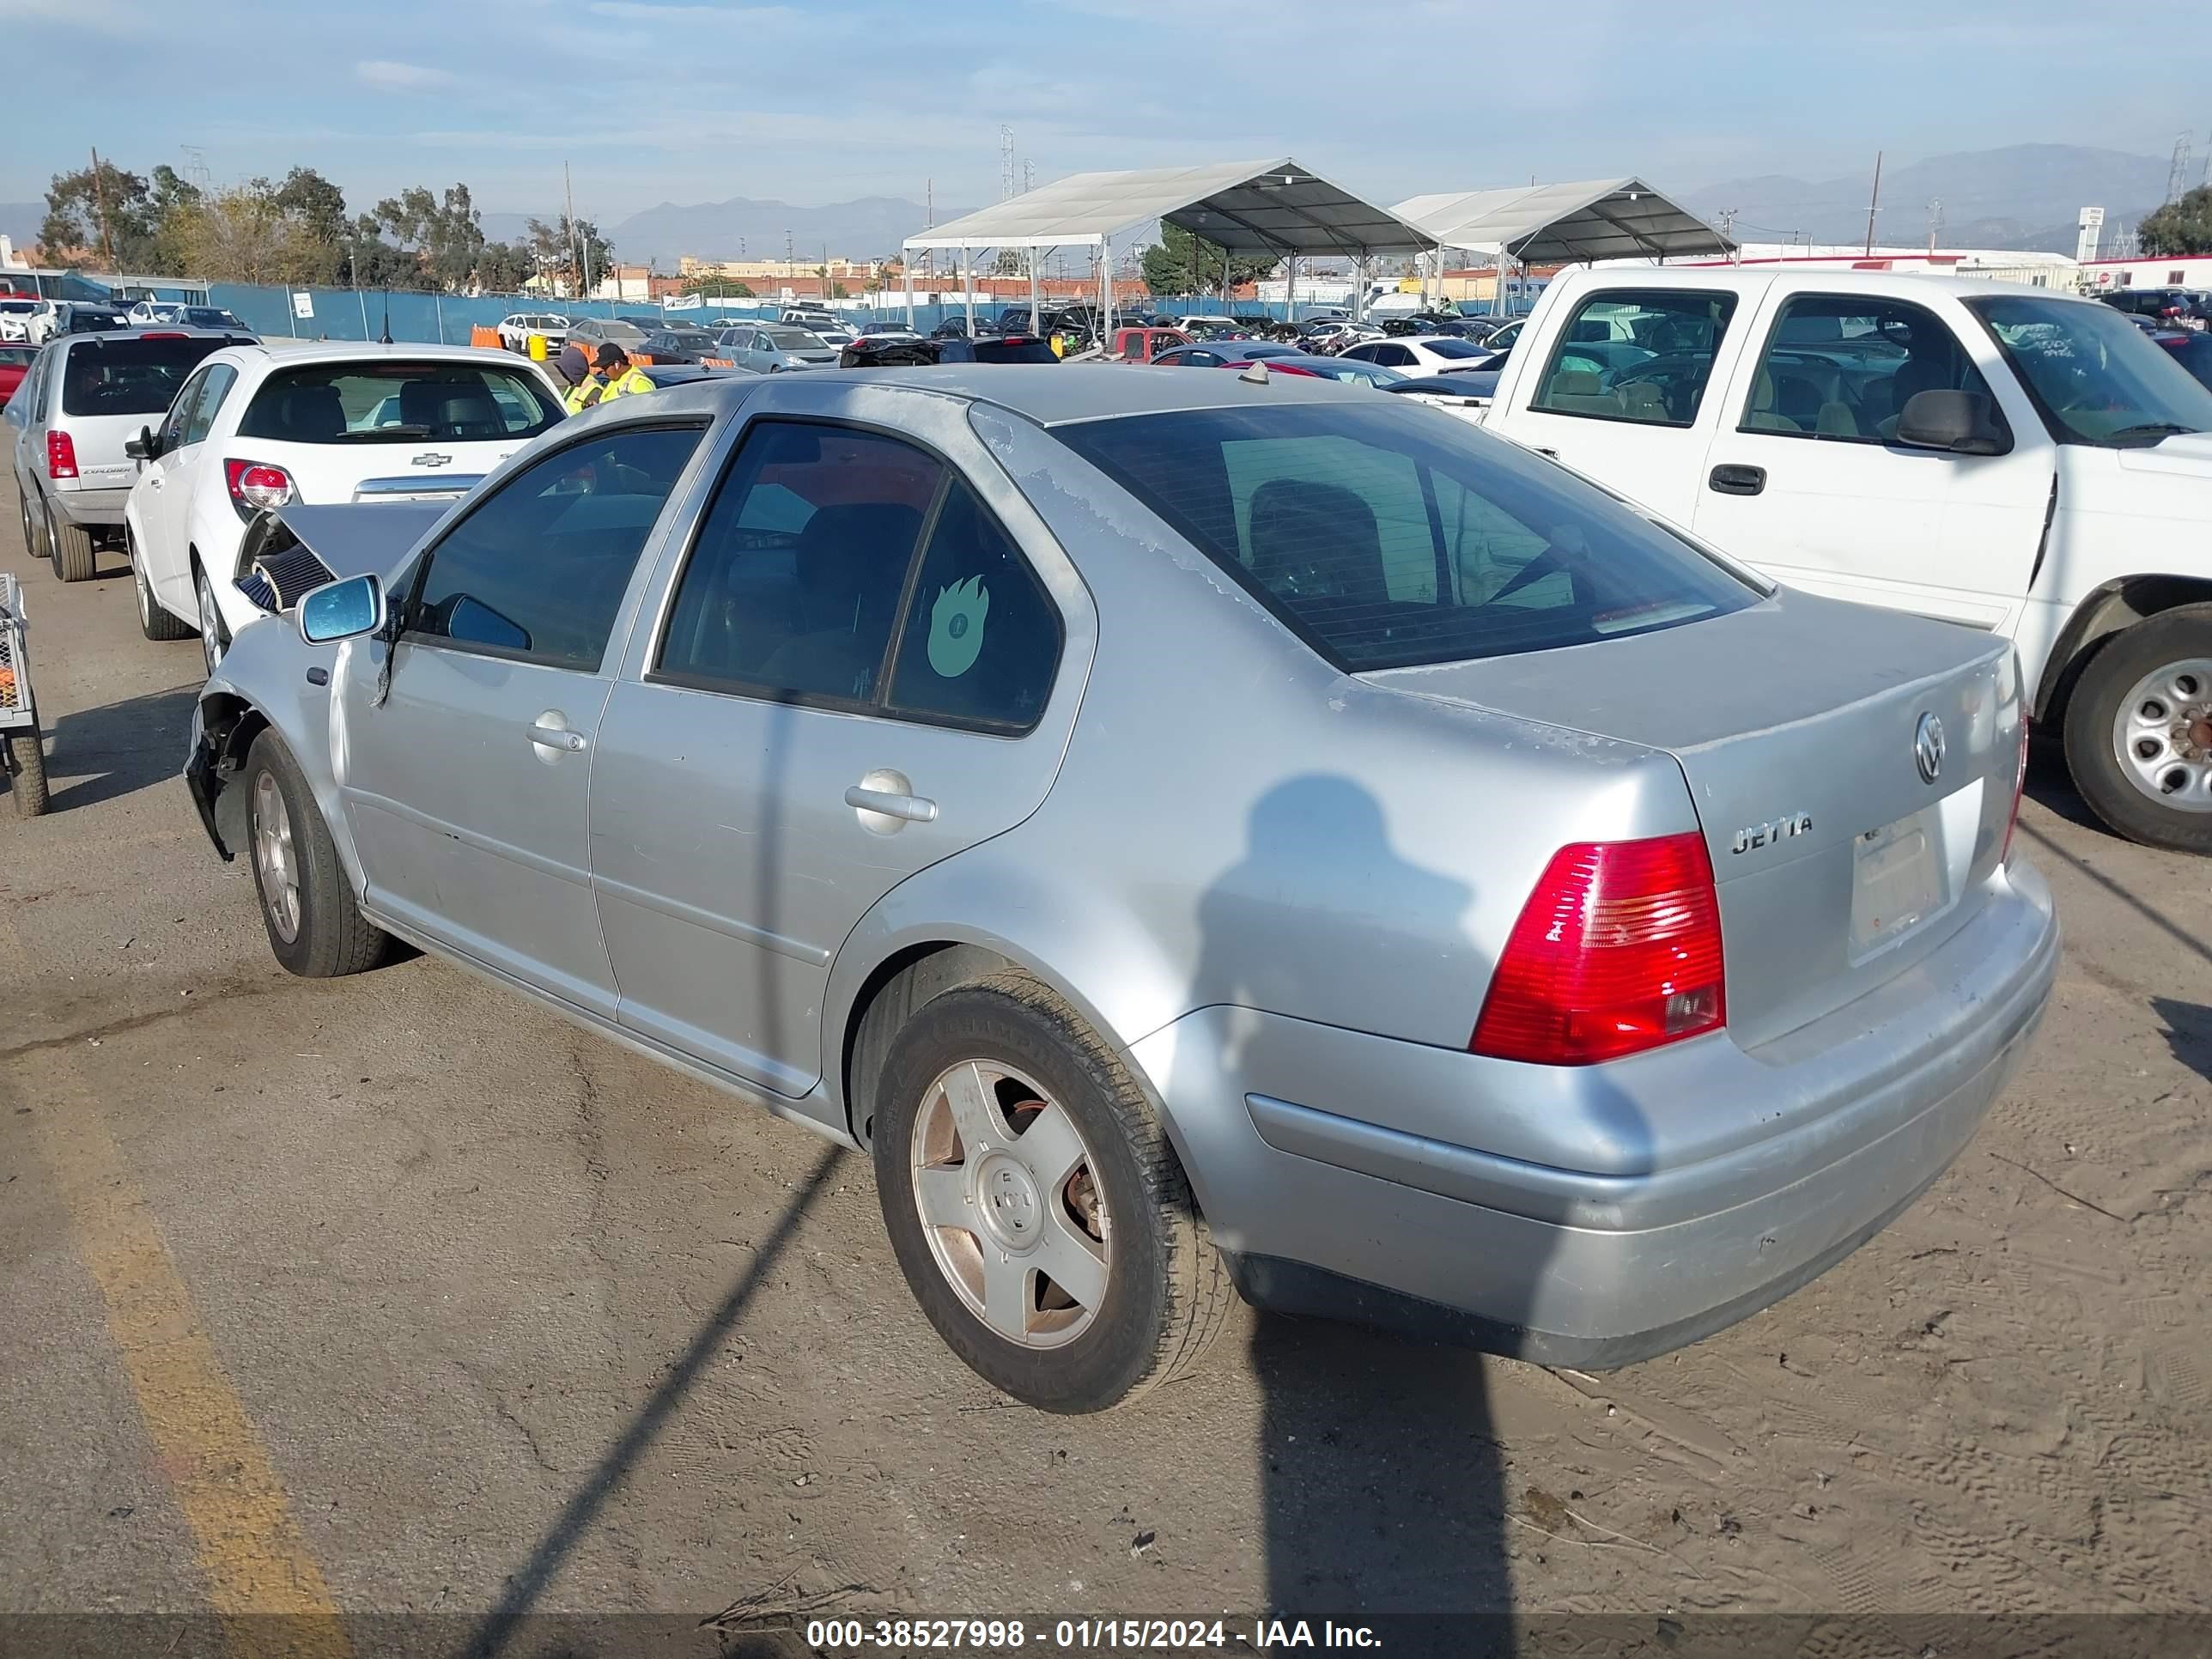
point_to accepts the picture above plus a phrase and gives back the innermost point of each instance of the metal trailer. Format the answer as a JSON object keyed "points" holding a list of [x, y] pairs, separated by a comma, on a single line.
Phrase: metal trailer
{"points": [[22, 746]]}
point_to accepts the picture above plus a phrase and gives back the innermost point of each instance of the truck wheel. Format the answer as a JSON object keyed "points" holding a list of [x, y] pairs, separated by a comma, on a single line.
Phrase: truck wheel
{"points": [[153, 622], [26, 771], [1034, 1204], [2139, 730], [314, 921], [71, 546]]}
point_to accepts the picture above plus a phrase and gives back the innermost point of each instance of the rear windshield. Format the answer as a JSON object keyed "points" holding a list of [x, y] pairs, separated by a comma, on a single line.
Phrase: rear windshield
{"points": [[129, 377], [1013, 351], [399, 403], [1385, 538], [1452, 346], [792, 339]]}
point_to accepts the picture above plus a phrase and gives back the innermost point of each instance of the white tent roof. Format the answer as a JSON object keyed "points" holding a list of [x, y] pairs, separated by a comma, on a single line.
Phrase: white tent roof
{"points": [[1248, 207], [1559, 224]]}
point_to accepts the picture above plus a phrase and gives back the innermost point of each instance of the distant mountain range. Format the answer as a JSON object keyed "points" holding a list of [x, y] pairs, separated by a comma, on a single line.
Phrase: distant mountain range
{"points": [[2024, 196], [741, 229]]}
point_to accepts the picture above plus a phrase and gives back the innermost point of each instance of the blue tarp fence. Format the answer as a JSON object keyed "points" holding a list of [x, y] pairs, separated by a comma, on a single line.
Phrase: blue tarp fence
{"points": [[344, 314]]}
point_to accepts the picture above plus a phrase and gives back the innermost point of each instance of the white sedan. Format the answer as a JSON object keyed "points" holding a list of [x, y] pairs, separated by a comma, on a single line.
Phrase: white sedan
{"points": [[16, 314], [514, 332], [265, 425], [1419, 354]]}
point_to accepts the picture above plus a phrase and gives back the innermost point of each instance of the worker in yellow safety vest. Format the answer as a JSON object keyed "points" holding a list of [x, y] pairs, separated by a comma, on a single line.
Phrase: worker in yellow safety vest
{"points": [[574, 368], [612, 365]]}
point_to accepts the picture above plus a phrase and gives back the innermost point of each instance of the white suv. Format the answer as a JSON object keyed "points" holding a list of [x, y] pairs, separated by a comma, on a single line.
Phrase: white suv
{"points": [[264, 425], [85, 398], [514, 331]]}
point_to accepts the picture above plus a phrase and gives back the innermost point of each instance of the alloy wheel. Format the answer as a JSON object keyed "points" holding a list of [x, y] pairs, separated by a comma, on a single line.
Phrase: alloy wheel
{"points": [[2163, 735], [211, 645], [273, 857], [1014, 1214]]}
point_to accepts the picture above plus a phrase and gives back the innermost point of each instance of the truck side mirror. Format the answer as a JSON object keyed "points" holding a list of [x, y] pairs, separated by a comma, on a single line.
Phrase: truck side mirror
{"points": [[1963, 422]]}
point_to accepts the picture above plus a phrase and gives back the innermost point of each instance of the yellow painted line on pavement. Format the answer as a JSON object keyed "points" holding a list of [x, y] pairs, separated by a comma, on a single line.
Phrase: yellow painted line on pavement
{"points": [[251, 1550]]}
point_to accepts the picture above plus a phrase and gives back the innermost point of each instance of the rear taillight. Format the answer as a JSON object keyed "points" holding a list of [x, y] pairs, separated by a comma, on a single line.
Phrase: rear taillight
{"points": [[2019, 783], [256, 484], [1617, 950], [61, 456]]}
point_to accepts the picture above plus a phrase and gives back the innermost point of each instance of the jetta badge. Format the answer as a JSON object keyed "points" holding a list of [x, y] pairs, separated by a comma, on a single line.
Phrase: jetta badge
{"points": [[429, 457], [1928, 748]]}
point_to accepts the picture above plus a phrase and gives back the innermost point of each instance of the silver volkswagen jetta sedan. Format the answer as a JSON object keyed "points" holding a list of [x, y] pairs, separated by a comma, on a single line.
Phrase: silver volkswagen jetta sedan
{"points": [[1194, 830]]}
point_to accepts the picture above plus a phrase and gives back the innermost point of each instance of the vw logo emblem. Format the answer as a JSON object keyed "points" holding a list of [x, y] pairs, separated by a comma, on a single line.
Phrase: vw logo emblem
{"points": [[1928, 748]]}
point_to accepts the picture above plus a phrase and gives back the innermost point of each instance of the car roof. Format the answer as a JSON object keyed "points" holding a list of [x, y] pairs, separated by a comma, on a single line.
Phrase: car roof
{"points": [[292, 353], [1048, 394]]}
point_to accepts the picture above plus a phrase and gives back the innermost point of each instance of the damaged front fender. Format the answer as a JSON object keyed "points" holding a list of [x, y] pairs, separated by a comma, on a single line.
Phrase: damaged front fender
{"points": [[223, 728]]}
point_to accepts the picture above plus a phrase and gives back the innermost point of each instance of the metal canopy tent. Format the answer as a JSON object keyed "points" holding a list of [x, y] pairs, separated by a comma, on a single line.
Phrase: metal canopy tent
{"points": [[1262, 207], [1559, 224]]}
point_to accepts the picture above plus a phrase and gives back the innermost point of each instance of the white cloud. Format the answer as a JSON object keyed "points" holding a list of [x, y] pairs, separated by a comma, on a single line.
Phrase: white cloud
{"points": [[388, 77]]}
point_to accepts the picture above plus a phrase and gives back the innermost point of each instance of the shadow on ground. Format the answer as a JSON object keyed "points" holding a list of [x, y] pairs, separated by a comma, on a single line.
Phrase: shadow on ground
{"points": [[118, 748]]}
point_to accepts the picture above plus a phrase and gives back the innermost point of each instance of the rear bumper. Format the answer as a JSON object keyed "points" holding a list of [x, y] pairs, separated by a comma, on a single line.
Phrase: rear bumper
{"points": [[1716, 1180], [90, 507]]}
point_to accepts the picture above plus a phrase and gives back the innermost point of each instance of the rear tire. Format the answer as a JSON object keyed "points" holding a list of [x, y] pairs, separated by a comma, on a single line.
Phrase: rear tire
{"points": [[308, 908], [2163, 799], [26, 771], [153, 622], [73, 558], [215, 636], [1155, 1290]]}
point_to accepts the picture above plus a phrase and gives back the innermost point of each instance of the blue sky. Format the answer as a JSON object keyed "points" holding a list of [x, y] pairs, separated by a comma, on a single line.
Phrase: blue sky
{"points": [[837, 99]]}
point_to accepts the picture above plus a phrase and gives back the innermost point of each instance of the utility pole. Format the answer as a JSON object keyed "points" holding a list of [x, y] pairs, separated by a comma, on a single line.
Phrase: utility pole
{"points": [[100, 197], [575, 243], [1728, 233], [1934, 224], [790, 259], [1005, 163], [1873, 204]]}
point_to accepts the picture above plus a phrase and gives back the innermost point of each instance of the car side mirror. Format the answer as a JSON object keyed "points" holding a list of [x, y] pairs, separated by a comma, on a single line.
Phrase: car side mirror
{"points": [[342, 611], [1963, 422], [144, 447]]}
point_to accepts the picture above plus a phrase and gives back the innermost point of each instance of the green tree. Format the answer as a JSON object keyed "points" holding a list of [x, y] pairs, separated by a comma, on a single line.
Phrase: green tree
{"points": [[2182, 226], [245, 234], [1008, 264], [314, 210], [88, 217], [1183, 263], [716, 287], [441, 231], [172, 198], [568, 249]]}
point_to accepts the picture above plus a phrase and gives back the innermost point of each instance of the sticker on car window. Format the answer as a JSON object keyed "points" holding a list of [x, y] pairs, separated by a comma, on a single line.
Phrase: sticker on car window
{"points": [[956, 626]]}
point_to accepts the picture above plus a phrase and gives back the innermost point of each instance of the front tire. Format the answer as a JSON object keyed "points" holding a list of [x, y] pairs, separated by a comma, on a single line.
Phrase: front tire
{"points": [[308, 908], [153, 622], [71, 546], [1035, 1207], [2139, 730]]}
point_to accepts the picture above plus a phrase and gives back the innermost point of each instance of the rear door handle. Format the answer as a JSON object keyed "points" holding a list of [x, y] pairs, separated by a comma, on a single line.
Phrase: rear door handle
{"points": [[1738, 480], [914, 809], [557, 737]]}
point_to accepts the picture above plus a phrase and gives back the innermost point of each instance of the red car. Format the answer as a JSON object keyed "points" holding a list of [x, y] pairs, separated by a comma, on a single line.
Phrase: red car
{"points": [[14, 364]]}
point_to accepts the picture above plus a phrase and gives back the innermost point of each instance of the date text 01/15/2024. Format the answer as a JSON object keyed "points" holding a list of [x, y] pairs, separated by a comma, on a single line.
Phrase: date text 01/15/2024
{"points": [[1079, 1635]]}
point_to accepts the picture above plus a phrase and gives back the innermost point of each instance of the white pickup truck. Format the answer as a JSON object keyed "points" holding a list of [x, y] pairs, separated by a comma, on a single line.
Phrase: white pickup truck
{"points": [[2005, 457]]}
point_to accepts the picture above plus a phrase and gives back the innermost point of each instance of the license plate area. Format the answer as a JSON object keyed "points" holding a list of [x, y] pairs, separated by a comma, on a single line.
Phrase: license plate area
{"points": [[1897, 880]]}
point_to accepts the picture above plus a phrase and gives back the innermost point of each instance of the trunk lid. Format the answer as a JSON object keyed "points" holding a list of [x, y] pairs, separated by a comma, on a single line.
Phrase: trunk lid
{"points": [[1797, 724], [421, 470]]}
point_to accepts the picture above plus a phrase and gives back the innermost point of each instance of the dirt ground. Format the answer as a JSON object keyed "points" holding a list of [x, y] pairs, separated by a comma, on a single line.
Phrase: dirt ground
{"points": [[489, 1318]]}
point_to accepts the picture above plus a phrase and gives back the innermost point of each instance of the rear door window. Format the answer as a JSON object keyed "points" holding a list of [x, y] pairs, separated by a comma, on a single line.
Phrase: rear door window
{"points": [[387, 402], [1643, 355], [1385, 539], [129, 377]]}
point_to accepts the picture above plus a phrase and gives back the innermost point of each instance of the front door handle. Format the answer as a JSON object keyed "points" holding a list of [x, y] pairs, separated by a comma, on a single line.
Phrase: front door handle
{"points": [[1738, 480], [892, 804], [556, 737]]}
